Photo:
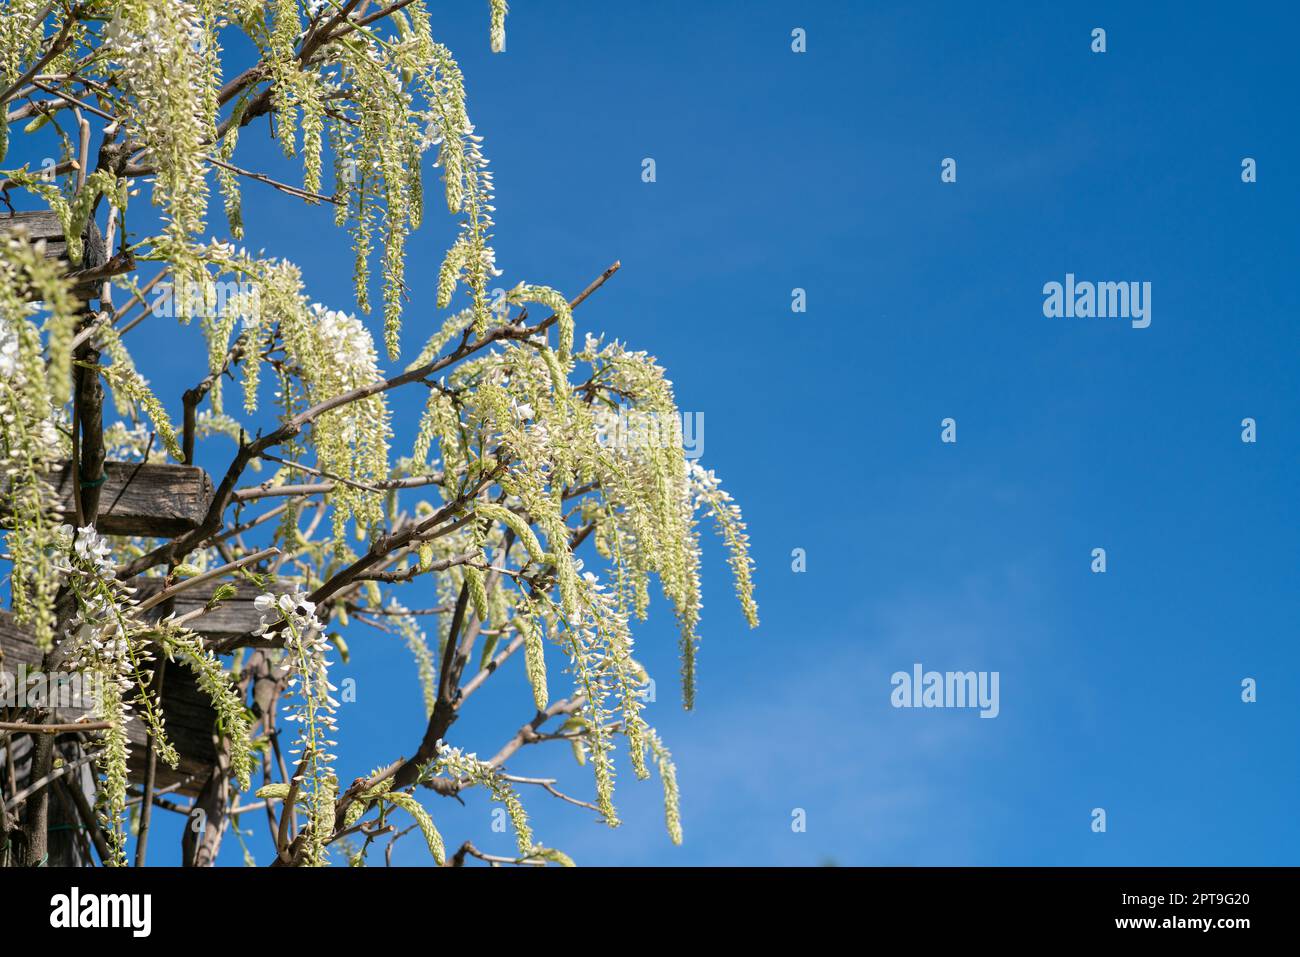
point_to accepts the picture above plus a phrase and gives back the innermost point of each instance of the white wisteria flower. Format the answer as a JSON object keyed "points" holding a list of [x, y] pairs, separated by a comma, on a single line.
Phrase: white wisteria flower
{"points": [[343, 338], [8, 349], [294, 608]]}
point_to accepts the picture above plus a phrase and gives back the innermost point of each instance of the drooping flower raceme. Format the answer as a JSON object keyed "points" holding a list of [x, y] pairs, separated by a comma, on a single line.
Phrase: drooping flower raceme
{"points": [[518, 449], [310, 704], [468, 769], [107, 641]]}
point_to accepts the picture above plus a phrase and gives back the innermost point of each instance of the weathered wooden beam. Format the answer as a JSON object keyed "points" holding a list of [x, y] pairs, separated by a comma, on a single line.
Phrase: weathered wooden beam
{"points": [[17, 646], [39, 224], [43, 225], [188, 714], [150, 499], [142, 499], [226, 621]]}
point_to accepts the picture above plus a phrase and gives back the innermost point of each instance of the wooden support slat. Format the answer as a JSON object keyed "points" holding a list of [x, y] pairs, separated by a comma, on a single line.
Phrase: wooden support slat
{"points": [[228, 620], [43, 225], [143, 499], [40, 224], [149, 499]]}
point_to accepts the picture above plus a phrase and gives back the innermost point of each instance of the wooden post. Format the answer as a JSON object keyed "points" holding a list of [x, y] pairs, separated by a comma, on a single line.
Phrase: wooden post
{"points": [[68, 845]]}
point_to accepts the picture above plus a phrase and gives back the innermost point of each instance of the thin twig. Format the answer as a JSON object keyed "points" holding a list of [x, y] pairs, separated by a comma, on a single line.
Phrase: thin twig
{"points": [[150, 772], [207, 576], [323, 474], [25, 728], [49, 779], [263, 178]]}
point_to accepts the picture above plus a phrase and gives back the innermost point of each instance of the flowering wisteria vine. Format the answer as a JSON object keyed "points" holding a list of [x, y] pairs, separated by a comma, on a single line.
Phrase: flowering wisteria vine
{"points": [[533, 539]]}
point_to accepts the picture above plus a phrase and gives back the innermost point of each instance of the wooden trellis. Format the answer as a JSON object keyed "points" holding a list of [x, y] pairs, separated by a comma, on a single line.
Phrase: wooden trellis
{"points": [[42, 225], [189, 715], [141, 500], [133, 499]]}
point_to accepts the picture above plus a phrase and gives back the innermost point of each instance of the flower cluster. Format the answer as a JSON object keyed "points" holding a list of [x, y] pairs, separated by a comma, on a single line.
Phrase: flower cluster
{"points": [[100, 629], [8, 350], [709, 494], [214, 681], [32, 393], [335, 354], [91, 547], [292, 609], [310, 704], [343, 338], [104, 642], [155, 45], [467, 769], [497, 34], [417, 642]]}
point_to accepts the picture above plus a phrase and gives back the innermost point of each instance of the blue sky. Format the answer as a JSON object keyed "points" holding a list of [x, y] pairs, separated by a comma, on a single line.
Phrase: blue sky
{"points": [[820, 170]]}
